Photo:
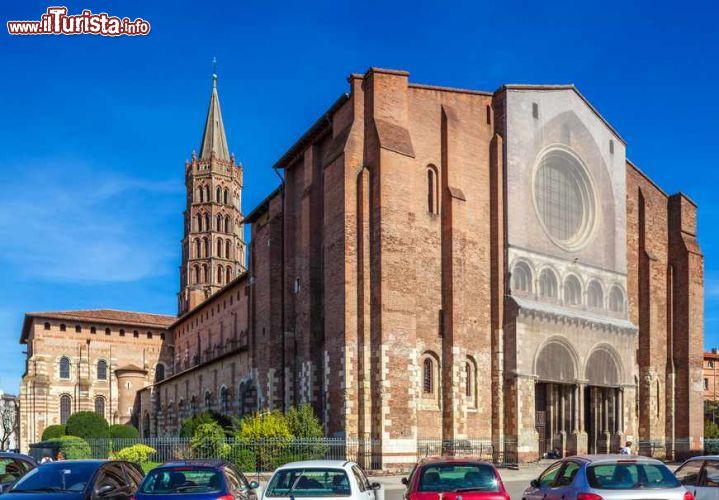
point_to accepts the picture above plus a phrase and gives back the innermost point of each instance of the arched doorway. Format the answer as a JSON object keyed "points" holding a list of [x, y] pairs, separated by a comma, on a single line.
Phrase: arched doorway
{"points": [[555, 396], [603, 402]]}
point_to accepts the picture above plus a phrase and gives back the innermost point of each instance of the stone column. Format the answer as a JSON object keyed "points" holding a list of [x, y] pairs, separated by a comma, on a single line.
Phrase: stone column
{"points": [[579, 434]]}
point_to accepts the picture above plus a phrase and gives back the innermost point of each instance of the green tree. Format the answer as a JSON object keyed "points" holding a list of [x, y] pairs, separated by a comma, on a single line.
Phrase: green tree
{"points": [[711, 430], [189, 426], [303, 423], [209, 441], [123, 431], [87, 425], [268, 434], [53, 431]]}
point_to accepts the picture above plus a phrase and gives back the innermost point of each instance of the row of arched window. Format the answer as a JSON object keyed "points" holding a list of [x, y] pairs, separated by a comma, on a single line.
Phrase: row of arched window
{"points": [[64, 369], [431, 377], [571, 293], [204, 222], [201, 248], [66, 407], [222, 195], [201, 274]]}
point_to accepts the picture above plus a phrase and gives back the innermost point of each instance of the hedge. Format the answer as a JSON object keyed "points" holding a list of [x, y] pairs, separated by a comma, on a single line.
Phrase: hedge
{"points": [[53, 432], [87, 425], [73, 447], [122, 431]]}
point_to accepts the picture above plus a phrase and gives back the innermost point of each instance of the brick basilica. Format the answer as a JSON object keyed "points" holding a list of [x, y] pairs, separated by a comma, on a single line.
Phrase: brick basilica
{"points": [[436, 263]]}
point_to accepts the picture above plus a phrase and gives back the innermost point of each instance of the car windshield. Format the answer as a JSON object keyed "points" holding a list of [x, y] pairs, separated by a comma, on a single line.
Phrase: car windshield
{"points": [[315, 482], [11, 469], [458, 477], [182, 480], [63, 476], [630, 475]]}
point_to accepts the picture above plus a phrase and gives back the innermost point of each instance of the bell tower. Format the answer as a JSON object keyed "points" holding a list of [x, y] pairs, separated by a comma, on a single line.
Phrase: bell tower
{"points": [[213, 246]]}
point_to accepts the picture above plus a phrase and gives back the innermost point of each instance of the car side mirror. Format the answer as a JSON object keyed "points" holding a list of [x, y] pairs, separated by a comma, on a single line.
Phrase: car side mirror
{"points": [[534, 483], [254, 485], [103, 491], [376, 486], [404, 481]]}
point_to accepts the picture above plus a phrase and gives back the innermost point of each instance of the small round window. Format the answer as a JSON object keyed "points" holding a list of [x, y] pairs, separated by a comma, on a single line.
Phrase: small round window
{"points": [[564, 198]]}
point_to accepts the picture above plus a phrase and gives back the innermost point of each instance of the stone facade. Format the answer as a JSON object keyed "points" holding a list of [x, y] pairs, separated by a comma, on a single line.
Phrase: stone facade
{"points": [[448, 263], [94, 360]]}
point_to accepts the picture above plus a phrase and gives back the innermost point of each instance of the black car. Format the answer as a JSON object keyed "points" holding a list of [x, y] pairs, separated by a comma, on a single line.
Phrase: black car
{"points": [[199, 479], [13, 466], [79, 480]]}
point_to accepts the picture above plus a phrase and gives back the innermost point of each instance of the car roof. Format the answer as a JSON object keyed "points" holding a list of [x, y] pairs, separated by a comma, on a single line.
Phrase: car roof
{"points": [[592, 459], [9, 454], [703, 457], [450, 460], [60, 463], [210, 462], [310, 464]]}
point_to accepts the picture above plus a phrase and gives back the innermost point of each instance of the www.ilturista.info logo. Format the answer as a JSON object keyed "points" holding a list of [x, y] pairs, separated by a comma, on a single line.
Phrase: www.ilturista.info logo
{"points": [[56, 22]]}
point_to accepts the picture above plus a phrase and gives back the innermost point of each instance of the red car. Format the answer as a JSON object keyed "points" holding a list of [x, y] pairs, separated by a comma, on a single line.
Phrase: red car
{"points": [[454, 479]]}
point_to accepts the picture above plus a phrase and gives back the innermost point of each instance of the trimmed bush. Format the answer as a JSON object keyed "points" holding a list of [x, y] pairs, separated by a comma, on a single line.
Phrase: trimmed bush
{"points": [[73, 447], [122, 431], [137, 453], [189, 426], [53, 432], [87, 425], [209, 442]]}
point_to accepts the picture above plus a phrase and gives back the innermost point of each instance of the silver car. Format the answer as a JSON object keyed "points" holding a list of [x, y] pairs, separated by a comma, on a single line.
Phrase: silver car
{"points": [[609, 477], [700, 476]]}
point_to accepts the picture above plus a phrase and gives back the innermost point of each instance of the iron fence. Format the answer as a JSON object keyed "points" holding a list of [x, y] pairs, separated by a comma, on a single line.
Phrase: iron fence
{"points": [[501, 452]]}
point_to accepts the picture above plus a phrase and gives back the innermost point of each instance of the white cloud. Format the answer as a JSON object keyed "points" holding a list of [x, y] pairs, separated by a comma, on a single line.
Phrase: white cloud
{"points": [[73, 223]]}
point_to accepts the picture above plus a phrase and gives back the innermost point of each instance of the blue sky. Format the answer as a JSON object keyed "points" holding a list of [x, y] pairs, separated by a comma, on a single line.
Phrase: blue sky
{"points": [[94, 131]]}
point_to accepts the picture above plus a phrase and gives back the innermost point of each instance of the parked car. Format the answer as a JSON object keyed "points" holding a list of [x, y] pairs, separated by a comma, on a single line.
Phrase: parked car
{"points": [[322, 478], [200, 479], [608, 477], [79, 480], [13, 466], [454, 479], [700, 476]]}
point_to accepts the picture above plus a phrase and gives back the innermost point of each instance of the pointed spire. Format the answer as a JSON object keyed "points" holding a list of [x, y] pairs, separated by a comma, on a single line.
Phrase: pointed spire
{"points": [[214, 139]]}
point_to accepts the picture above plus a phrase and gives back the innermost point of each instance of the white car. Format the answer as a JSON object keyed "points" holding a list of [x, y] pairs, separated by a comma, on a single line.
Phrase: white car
{"points": [[322, 479]]}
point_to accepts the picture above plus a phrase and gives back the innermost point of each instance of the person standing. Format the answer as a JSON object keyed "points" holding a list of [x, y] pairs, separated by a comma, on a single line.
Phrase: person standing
{"points": [[626, 449]]}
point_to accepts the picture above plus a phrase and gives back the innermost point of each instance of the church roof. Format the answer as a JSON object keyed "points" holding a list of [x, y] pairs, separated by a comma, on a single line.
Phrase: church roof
{"points": [[214, 139], [104, 316]]}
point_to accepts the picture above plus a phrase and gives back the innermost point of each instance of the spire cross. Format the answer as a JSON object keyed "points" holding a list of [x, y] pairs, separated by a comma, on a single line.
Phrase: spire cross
{"points": [[214, 72]]}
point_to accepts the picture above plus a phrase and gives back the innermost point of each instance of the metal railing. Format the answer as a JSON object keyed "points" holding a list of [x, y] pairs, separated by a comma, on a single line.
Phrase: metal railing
{"points": [[500, 452]]}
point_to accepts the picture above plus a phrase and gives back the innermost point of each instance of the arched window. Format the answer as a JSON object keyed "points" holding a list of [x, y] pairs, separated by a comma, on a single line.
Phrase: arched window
{"points": [[159, 372], [572, 291], [207, 223], [225, 395], [220, 273], [521, 278], [208, 400], [228, 249], [198, 222], [102, 370], [218, 195], [206, 244], [470, 390], [219, 247], [226, 197], [65, 408], [100, 406], [146, 425], [432, 190], [228, 274], [616, 300], [547, 284], [193, 405], [595, 295], [218, 223], [205, 274], [227, 223], [428, 376], [64, 367], [198, 248], [207, 194], [196, 274]]}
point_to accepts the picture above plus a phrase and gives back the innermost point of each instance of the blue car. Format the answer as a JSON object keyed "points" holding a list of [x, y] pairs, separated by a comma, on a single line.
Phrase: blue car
{"points": [[13, 466], [197, 480]]}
